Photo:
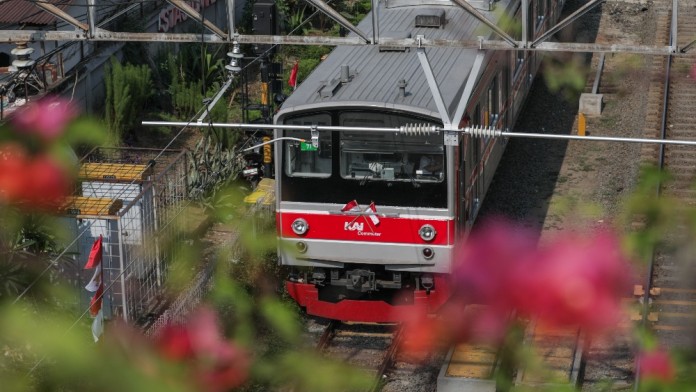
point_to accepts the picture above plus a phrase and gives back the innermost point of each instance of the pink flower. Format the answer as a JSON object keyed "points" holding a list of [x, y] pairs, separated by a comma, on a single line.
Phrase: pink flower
{"points": [[656, 365], [13, 164], [216, 364], [45, 118], [693, 72], [37, 182], [577, 281], [489, 263]]}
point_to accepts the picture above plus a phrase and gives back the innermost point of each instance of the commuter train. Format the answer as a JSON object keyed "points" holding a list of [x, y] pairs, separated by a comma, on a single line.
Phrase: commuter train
{"points": [[368, 221]]}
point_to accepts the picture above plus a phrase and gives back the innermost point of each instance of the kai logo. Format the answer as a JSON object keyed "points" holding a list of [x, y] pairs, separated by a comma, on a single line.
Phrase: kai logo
{"points": [[353, 226], [363, 216]]}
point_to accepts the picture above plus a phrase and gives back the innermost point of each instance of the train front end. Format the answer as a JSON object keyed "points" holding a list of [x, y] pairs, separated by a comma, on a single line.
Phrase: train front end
{"points": [[363, 219]]}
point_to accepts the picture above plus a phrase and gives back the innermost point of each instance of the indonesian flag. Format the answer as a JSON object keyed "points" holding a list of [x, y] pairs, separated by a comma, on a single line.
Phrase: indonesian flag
{"points": [[96, 303], [292, 81], [96, 286], [351, 206], [98, 326], [96, 280], [372, 213], [95, 255]]}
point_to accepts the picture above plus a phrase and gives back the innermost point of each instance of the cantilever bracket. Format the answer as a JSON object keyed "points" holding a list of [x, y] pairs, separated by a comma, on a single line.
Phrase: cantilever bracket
{"points": [[315, 136]]}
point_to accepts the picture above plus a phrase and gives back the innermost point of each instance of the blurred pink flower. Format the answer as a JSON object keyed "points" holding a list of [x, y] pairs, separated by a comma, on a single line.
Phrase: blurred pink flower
{"points": [[490, 262], [656, 365], [577, 281], [217, 364], [693, 72], [45, 118], [13, 162], [37, 183]]}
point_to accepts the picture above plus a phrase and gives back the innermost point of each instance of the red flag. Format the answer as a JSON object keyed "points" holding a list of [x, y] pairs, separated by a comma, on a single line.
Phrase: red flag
{"points": [[351, 206], [95, 255], [96, 280], [293, 75], [96, 303], [372, 213]]}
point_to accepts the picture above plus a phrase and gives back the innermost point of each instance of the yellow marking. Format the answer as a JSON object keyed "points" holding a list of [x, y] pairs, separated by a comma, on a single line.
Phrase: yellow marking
{"points": [[581, 124], [114, 172], [267, 150], [264, 193]]}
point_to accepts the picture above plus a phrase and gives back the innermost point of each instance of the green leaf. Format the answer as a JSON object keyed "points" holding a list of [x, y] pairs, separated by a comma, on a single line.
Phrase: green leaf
{"points": [[281, 318], [86, 130]]}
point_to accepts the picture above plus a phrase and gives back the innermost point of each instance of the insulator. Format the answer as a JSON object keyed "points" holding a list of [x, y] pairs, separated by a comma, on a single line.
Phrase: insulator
{"points": [[417, 129], [481, 131]]}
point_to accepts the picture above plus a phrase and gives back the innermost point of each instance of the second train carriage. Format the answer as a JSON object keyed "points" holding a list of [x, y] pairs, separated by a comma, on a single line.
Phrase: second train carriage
{"points": [[369, 220]]}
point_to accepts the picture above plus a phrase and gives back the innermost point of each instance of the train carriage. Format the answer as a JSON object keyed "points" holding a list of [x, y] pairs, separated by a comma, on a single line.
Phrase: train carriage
{"points": [[368, 221]]}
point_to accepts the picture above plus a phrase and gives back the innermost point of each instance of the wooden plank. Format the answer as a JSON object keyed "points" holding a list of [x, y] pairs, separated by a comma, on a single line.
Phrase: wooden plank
{"points": [[472, 361]]}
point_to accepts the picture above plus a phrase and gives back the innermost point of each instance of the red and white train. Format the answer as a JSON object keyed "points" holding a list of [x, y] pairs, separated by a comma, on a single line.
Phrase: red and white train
{"points": [[368, 221]]}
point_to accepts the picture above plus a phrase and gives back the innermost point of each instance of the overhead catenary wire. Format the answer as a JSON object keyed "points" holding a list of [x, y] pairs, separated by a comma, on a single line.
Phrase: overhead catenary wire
{"points": [[472, 131]]}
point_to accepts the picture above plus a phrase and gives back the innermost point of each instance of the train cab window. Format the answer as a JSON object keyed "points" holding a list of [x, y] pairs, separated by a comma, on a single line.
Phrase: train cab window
{"points": [[300, 159], [387, 157]]}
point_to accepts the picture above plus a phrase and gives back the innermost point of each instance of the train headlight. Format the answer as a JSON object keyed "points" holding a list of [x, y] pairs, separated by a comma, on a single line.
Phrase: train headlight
{"points": [[428, 253], [300, 226], [427, 233]]}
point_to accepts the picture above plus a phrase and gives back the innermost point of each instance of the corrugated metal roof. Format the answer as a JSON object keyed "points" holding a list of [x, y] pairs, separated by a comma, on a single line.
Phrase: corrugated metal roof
{"points": [[24, 11], [377, 74]]}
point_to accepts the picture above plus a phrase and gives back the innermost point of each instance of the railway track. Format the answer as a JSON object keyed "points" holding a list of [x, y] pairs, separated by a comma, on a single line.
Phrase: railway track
{"points": [[372, 347], [670, 288]]}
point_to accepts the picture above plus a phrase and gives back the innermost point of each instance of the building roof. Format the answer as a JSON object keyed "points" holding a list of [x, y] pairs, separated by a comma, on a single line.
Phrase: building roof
{"points": [[24, 11]]}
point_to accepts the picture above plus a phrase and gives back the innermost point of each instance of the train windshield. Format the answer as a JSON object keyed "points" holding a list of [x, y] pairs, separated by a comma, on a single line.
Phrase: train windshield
{"points": [[389, 157], [389, 168], [301, 159]]}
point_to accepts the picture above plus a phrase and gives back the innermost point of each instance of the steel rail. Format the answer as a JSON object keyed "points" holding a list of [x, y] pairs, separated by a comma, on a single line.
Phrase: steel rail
{"points": [[327, 335], [658, 192], [389, 358]]}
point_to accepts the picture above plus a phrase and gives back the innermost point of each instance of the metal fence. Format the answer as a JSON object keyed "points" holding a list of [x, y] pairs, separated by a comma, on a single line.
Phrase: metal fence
{"points": [[136, 255]]}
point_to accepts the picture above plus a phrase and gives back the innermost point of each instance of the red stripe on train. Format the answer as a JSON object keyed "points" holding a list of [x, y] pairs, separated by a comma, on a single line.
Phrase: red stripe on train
{"points": [[361, 228]]}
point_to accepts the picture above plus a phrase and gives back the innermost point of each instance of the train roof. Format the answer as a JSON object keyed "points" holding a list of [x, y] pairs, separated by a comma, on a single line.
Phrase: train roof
{"points": [[375, 76]]}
